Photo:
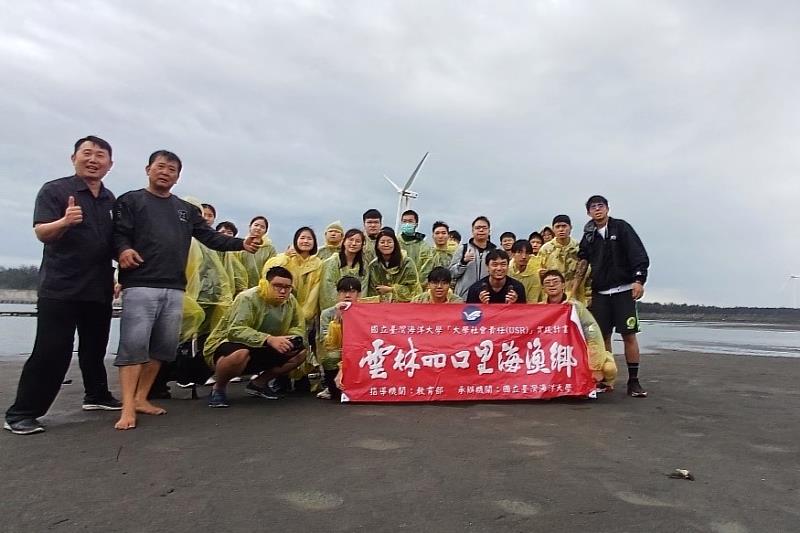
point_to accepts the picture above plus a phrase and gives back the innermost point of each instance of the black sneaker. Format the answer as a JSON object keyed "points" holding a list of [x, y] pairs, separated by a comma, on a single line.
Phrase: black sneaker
{"points": [[106, 404], [218, 398], [26, 426], [261, 392], [635, 389]]}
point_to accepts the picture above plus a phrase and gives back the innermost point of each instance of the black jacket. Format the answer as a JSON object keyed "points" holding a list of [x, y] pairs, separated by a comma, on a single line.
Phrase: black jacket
{"points": [[618, 259]]}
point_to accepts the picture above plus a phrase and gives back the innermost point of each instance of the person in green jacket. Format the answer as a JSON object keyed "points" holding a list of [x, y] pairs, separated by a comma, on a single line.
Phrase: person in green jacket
{"points": [[524, 267], [348, 261], [439, 291], [237, 273], [411, 241], [392, 276], [261, 332], [334, 234], [373, 221], [440, 254], [348, 289], [254, 263], [601, 361]]}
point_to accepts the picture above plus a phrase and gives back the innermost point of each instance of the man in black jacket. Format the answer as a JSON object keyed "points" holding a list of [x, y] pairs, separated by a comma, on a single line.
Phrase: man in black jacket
{"points": [[619, 271]]}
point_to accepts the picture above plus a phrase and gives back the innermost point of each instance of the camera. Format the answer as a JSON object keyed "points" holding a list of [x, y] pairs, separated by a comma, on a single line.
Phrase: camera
{"points": [[297, 343]]}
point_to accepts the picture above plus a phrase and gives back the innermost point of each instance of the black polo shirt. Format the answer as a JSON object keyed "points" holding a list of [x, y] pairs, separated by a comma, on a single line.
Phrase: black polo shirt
{"points": [[499, 297], [76, 266]]}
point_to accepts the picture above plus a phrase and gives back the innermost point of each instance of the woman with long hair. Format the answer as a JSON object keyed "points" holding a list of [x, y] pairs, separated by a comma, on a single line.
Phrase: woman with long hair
{"points": [[306, 268], [392, 276], [348, 261]]}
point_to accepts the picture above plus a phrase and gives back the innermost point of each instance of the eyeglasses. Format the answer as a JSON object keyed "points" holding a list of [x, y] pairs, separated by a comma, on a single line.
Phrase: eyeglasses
{"points": [[480, 227], [280, 287], [597, 205]]}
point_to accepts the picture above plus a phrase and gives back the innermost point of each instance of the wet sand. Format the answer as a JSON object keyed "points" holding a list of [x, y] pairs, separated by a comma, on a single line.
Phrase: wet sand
{"points": [[302, 464]]}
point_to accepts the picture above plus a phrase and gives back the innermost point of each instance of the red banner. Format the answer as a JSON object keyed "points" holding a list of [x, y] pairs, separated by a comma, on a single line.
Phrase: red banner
{"points": [[446, 352]]}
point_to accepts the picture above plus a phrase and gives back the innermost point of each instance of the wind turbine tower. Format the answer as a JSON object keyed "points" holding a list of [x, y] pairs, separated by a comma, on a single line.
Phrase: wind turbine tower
{"points": [[405, 195], [795, 279]]}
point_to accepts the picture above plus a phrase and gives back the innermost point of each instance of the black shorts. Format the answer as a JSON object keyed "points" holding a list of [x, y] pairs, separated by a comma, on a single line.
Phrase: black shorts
{"points": [[261, 358], [615, 312]]}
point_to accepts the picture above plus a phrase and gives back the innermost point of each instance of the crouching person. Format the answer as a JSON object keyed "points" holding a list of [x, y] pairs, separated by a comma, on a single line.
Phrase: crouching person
{"points": [[438, 289], [262, 333], [601, 361], [348, 290]]}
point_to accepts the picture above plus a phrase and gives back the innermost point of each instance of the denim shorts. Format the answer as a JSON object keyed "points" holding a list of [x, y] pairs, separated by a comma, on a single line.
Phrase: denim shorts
{"points": [[150, 325]]}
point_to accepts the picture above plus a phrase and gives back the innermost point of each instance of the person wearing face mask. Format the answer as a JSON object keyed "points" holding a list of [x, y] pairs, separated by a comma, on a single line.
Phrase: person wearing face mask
{"points": [[392, 276], [440, 254], [254, 263], [413, 242], [334, 234], [348, 261]]}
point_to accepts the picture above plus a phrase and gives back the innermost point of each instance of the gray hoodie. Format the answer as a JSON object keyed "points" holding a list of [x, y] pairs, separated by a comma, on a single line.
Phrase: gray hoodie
{"points": [[466, 274]]}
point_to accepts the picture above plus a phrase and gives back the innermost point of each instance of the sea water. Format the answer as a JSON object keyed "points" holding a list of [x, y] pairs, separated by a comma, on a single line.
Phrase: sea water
{"points": [[17, 334]]}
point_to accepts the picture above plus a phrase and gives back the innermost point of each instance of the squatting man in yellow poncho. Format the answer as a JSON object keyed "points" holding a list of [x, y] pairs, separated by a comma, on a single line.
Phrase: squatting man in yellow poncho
{"points": [[262, 333], [601, 361]]}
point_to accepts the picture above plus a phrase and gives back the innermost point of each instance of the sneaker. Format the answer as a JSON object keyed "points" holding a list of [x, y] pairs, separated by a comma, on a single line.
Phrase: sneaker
{"points": [[218, 398], [261, 392], [210, 381], [237, 379], [106, 404], [324, 394], [635, 389], [603, 387], [26, 426]]}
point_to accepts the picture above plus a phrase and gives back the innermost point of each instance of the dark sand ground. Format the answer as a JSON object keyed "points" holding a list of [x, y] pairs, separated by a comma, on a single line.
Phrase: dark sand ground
{"points": [[302, 464]]}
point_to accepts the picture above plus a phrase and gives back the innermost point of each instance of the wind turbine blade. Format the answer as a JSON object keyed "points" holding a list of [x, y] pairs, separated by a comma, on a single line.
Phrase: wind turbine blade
{"points": [[416, 171], [398, 189]]}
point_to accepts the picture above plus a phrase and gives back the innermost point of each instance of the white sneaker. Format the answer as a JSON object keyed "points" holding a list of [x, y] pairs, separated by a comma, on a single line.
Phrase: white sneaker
{"points": [[210, 381], [324, 394]]}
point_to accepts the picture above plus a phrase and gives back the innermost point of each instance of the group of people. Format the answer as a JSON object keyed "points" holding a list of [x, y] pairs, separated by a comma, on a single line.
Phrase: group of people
{"points": [[190, 286]]}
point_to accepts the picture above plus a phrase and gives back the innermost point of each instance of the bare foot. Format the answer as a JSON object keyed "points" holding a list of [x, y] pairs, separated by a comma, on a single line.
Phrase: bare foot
{"points": [[148, 408], [126, 421]]}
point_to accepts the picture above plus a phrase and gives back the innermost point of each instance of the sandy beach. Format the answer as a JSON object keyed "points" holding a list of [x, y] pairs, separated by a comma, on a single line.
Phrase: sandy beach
{"points": [[302, 464]]}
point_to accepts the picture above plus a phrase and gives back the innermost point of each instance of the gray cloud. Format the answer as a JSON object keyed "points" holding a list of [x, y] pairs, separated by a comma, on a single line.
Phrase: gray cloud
{"points": [[682, 113]]}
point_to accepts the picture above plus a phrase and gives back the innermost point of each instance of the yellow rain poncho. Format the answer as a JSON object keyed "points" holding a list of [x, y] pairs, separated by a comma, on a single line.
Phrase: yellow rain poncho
{"points": [[403, 279], [564, 258], [601, 362], [332, 272], [193, 314], [426, 298], [415, 247], [306, 276], [328, 249], [237, 273], [216, 291], [529, 279], [254, 263], [369, 250], [254, 315], [433, 257]]}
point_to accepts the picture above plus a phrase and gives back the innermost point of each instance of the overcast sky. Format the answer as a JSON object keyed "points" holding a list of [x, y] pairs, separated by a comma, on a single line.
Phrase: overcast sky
{"points": [[686, 115]]}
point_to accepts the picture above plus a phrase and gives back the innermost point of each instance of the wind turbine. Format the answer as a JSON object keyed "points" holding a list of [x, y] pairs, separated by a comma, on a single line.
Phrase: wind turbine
{"points": [[405, 194]]}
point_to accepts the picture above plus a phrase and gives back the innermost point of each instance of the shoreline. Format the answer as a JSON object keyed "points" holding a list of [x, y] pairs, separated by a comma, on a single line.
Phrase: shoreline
{"points": [[450, 467]]}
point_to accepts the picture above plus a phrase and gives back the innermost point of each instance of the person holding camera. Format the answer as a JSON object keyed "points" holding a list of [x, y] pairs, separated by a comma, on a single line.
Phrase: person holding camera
{"points": [[261, 333]]}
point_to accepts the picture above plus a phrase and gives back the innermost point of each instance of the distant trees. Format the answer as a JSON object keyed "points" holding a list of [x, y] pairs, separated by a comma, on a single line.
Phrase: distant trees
{"points": [[24, 277], [769, 315]]}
